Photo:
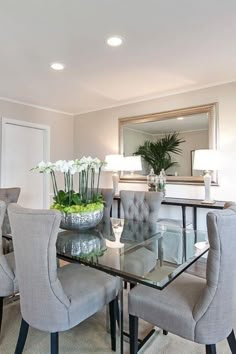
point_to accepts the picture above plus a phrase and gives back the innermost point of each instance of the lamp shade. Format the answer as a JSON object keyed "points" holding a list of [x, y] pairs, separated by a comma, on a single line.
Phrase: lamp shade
{"points": [[132, 163], [114, 162], [205, 159]]}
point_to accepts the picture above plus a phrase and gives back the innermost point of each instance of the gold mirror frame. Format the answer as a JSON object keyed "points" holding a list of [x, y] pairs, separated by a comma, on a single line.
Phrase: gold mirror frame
{"points": [[210, 109]]}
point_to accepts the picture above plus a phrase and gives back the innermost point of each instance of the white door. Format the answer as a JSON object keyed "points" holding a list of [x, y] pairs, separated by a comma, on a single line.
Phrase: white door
{"points": [[24, 145]]}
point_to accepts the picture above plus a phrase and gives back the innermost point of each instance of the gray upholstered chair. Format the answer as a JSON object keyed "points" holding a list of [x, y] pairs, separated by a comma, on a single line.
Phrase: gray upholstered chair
{"points": [[8, 282], [197, 309], [8, 195], [52, 299], [107, 194], [140, 206]]}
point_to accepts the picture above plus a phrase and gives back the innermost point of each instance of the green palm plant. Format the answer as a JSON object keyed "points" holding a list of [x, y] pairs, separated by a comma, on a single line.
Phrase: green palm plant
{"points": [[158, 154]]}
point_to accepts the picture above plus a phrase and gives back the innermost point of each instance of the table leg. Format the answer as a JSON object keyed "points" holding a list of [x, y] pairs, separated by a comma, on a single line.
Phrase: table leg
{"points": [[184, 215], [118, 208], [120, 335], [195, 218], [160, 250], [184, 245]]}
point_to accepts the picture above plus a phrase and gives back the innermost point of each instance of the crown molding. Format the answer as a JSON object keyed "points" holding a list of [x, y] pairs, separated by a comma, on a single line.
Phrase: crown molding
{"points": [[152, 97], [35, 106], [122, 102]]}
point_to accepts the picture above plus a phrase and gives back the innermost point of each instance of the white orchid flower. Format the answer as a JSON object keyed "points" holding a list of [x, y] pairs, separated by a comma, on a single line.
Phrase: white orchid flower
{"points": [[83, 160], [96, 163], [49, 167], [87, 165], [72, 167], [62, 166], [41, 165], [44, 167], [58, 165], [80, 168], [89, 160]]}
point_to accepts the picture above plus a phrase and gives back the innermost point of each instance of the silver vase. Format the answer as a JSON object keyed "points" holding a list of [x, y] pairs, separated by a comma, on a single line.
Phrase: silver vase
{"points": [[80, 221]]}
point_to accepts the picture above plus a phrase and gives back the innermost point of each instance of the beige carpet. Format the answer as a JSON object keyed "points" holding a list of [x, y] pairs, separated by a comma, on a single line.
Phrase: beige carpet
{"points": [[89, 337]]}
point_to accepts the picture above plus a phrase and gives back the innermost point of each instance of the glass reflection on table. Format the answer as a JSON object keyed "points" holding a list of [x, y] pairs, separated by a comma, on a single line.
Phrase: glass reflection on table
{"points": [[140, 252]]}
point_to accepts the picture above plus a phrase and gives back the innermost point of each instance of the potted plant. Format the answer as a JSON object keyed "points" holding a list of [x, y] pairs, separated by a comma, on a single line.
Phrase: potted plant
{"points": [[83, 208], [159, 154]]}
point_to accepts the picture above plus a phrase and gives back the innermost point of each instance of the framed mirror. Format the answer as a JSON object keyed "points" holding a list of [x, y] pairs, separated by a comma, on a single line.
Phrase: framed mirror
{"points": [[197, 127]]}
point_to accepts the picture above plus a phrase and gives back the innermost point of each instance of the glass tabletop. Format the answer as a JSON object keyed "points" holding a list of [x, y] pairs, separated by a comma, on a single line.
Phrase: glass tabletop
{"points": [[152, 254]]}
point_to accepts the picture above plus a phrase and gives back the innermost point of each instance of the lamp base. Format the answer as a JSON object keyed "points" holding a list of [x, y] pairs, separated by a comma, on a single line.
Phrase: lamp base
{"points": [[115, 179], [208, 201]]}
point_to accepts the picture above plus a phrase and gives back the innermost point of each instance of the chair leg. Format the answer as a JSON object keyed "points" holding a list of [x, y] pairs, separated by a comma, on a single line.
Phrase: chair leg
{"points": [[133, 331], [117, 312], [165, 332], [54, 343], [1, 311], [210, 349], [22, 337], [113, 314], [232, 342]]}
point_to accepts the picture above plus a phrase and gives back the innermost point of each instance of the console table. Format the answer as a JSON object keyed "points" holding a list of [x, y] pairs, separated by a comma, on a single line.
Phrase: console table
{"points": [[183, 203]]}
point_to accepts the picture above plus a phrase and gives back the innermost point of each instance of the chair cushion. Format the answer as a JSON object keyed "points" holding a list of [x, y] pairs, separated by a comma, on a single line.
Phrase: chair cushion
{"points": [[170, 309], [88, 290]]}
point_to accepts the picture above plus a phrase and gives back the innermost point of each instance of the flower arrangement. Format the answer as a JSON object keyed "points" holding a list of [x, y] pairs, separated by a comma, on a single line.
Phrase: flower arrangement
{"points": [[67, 200]]}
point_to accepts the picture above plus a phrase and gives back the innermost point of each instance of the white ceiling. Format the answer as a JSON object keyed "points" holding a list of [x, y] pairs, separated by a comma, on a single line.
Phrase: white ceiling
{"points": [[169, 46], [189, 123]]}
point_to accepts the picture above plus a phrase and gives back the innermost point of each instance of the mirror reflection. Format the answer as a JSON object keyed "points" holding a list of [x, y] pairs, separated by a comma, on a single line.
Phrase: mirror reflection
{"points": [[176, 133]]}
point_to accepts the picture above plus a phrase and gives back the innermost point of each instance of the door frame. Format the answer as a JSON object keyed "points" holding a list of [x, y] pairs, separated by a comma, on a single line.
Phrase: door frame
{"points": [[46, 152]]}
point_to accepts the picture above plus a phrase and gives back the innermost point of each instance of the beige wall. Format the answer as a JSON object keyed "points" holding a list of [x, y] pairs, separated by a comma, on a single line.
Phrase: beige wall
{"points": [[61, 126], [102, 139]]}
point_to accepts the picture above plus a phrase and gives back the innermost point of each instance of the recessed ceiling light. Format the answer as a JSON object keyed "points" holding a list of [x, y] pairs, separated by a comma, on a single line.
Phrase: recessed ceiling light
{"points": [[114, 41], [57, 66], [180, 118]]}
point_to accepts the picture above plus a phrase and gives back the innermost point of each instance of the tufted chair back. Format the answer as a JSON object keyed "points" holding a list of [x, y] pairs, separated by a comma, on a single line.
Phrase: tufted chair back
{"points": [[142, 206], [8, 195]]}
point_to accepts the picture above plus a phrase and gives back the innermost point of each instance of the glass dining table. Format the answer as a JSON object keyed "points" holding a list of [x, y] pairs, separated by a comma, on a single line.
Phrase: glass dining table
{"points": [[152, 254]]}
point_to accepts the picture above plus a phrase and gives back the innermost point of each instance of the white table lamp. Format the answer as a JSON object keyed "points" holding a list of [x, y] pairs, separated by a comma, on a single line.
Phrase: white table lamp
{"points": [[207, 161], [132, 164], [115, 164]]}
